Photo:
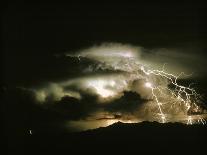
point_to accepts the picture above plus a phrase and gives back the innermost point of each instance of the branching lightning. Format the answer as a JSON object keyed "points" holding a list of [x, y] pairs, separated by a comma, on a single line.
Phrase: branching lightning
{"points": [[181, 94], [167, 99]]}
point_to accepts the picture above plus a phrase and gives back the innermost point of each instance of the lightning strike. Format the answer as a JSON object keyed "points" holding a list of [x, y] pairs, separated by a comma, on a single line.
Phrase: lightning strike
{"points": [[166, 99], [180, 98], [181, 94]]}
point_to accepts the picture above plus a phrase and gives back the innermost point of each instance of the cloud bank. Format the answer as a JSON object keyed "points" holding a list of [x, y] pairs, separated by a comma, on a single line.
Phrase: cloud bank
{"points": [[111, 82]]}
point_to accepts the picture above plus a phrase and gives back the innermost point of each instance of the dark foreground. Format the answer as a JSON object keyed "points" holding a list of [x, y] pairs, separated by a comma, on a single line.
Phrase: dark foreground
{"points": [[142, 138]]}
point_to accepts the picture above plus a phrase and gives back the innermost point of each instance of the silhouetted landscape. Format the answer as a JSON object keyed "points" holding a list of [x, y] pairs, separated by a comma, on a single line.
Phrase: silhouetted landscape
{"points": [[145, 137]]}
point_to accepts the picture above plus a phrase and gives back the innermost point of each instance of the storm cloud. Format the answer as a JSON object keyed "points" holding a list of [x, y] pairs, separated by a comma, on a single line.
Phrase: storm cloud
{"points": [[108, 82]]}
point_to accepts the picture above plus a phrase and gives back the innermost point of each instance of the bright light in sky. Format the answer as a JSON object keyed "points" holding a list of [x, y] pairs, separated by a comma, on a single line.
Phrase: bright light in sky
{"points": [[101, 88], [148, 85]]}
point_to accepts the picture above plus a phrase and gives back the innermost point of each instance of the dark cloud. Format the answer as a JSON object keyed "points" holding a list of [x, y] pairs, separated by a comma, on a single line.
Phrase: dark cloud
{"points": [[75, 109], [21, 102], [129, 103], [20, 107]]}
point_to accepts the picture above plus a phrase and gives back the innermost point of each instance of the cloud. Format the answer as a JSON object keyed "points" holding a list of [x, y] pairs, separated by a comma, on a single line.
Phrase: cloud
{"points": [[106, 51], [186, 59], [128, 103], [108, 82]]}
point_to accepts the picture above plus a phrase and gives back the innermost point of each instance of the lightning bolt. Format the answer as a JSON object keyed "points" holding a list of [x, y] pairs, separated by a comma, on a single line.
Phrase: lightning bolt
{"points": [[149, 85], [177, 97], [181, 94]]}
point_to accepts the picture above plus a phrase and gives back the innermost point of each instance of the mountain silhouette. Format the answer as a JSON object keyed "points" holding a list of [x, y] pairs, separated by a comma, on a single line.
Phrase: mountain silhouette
{"points": [[122, 138]]}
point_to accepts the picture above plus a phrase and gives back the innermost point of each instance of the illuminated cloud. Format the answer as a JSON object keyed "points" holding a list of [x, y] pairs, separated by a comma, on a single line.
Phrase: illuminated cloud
{"points": [[54, 92], [116, 79], [110, 51], [106, 87]]}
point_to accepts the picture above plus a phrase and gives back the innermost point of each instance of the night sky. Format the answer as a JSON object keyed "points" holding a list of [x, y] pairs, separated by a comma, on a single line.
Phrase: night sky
{"points": [[53, 52], [32, 33]]}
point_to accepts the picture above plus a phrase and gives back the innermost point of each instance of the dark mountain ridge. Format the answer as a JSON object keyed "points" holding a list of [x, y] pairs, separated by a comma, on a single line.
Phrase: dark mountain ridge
{"points": [[123, 138]]}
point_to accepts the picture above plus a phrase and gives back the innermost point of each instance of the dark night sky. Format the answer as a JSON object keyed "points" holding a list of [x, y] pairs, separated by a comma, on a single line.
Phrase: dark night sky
{"points": [[33, 32]]}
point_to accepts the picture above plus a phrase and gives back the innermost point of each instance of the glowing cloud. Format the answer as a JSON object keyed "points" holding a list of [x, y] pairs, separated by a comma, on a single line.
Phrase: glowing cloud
{"points": [[148, 84], [162, 103]]}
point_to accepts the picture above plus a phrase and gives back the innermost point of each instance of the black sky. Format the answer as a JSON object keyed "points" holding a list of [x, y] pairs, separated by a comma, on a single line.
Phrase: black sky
{"points": [[32, 32], [68, 26]]}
